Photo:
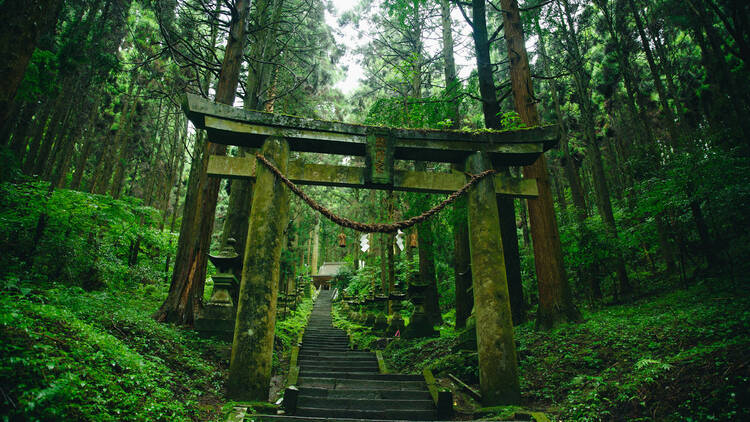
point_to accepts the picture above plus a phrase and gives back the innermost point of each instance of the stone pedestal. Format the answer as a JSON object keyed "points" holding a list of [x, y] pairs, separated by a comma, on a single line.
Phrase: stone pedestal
{"points": [[216, 318]]}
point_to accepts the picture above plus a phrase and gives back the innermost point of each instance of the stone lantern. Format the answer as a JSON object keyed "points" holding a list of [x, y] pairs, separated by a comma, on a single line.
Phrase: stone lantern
{"points": [[380, 325], [217, 317]]}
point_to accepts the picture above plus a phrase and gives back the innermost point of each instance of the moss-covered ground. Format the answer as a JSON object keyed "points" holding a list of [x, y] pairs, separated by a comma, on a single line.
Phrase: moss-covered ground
{"points": [[677, 356], [77, 341]]}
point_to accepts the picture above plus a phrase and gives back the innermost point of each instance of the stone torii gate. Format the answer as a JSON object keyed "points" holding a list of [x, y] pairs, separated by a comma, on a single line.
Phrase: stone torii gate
{"points": [[276, 135]]}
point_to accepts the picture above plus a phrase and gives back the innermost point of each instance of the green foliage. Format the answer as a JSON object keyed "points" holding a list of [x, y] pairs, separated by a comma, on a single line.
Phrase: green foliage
{"points": [[428, 112], [622, 361], [289, 327], [40, 79], [76, 238], [360, 337], [511, 120], [69, 354], [79, 342]]}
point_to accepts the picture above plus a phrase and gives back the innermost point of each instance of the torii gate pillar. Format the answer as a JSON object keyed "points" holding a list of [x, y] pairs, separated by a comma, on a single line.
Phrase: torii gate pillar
{"points": [[498, 366], [252, 348]]}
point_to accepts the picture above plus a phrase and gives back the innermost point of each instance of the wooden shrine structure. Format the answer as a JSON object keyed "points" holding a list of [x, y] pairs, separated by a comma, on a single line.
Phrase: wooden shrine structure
{"points": [[276, 135]]}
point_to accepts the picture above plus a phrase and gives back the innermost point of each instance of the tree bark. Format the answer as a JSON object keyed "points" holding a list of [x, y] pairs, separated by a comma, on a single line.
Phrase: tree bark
{"points": [[241, 191], [189, 274], [555, 299], [103, 170], [451, 80]]}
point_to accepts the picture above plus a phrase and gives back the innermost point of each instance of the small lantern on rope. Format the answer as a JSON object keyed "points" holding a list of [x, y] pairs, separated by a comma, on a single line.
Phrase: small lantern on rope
{"points": [[413, 240], [342, 240]]}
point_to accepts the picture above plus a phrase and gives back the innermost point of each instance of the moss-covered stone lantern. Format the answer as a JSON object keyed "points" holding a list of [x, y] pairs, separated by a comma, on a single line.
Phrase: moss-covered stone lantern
{"points": [[419, 324], [216, 318]]}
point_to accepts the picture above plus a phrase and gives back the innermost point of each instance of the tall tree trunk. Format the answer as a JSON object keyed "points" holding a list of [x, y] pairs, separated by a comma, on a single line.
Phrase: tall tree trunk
{"points": [[35, 140], [241, 191], [189, 274], [461, 254], [103, 170], [177, 179], [707, 243], [426, 253], [80, 167], [23, 23], [121, 144], [582, 82], [54, 129], [451, 80], [525, 222], [462, 264], [555, 299], [666, 108], [19, 140], [64, 165]]}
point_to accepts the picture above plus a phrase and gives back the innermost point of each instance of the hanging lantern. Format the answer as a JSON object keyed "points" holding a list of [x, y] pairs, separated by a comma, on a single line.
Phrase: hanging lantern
{"points": [[413, 240], [342, 240]]}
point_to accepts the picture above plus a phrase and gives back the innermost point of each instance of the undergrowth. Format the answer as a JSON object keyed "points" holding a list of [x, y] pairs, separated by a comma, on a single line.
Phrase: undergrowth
{"points": [[77, 338], [679, 356]]}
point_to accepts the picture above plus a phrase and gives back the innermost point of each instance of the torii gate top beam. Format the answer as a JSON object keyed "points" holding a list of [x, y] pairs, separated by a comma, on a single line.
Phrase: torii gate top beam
{"points": [[235, 126]]}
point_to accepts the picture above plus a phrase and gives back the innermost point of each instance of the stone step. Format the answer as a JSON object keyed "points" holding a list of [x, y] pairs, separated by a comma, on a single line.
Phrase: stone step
{"points": [[324, 349], [359, 384], [288, 418], [364, 404], [366, 394], [331, 336], [326, 332], [325, 342], [334, 354], [392, 414], [350, 367], [361, 376], [332, 362], [284, 418], [311, 344], [326, 337]]}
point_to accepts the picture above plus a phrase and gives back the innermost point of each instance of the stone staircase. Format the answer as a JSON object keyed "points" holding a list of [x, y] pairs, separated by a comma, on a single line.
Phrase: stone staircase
{"points": [[339, 384]]}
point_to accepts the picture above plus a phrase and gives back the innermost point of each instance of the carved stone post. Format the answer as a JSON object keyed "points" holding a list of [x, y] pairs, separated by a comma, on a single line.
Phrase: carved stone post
{"points": [[498, 366], [250, 366]]}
